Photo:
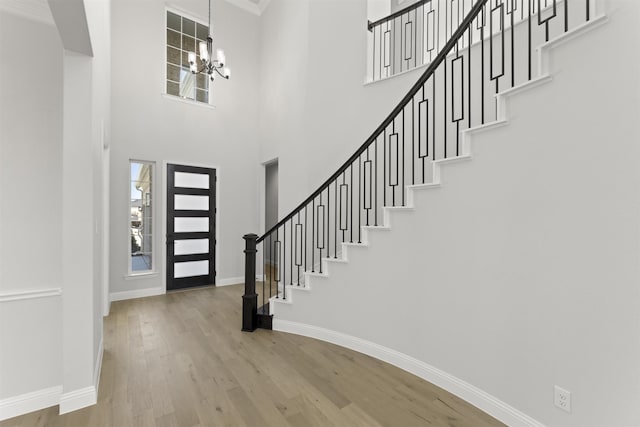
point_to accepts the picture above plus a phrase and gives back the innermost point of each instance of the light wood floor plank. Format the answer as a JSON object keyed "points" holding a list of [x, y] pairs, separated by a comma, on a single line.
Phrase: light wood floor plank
{"points": [[180, 360]]}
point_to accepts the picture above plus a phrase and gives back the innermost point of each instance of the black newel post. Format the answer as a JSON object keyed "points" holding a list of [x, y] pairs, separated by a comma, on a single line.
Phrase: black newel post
{"points": [[250, 298]]}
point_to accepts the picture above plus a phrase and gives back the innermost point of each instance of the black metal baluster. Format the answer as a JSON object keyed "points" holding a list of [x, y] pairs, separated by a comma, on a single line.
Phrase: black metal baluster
{"points": [[445, 105], [447, 3], [529, 41], [455, 117], [413, 141], [263, 273], [513, 32], [367, 164], [328, 225], [588, 10], [482, 65], [403, 154], [327, 214], [384, 168], [291, 260], [343, 205], [373, 64], [375, 182], [424, 25], [335, 221], [469, 29], [320, 233], [306, 228], [351, 201], [359, 197], [276, 266], [402, 35], [415, 38], [420, 156], [383, 58], [313, 235], [271, 266], [393, 188], [299, 246], [284, 260], [433, 115]]}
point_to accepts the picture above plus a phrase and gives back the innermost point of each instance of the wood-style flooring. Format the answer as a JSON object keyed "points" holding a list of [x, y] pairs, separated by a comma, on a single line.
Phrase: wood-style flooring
{"points": [[181, 360]]}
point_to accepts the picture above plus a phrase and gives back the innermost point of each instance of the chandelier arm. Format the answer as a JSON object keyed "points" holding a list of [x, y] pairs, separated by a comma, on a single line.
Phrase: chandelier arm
{"points": [[220, 74]]}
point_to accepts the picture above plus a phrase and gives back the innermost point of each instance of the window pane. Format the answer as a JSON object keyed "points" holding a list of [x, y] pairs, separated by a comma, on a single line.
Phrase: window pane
{"points": [[188, 27], [185, 59], [173, 21], [188, 43], [202, 32], [187, 84], [173, 38], [191, 224], [191, 180], [173, 55], [202, 81], [173, 88], [189, 247], [202, 96], [173, 73], [190, 269]]}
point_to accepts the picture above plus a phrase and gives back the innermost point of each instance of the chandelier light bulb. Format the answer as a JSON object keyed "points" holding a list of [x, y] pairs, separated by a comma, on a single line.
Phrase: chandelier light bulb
{"points": [[220, 57], [204, 54], [226, 72], [192, 59]]}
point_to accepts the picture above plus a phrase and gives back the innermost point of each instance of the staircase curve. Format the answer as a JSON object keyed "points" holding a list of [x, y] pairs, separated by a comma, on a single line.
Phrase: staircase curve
{"points": [[297, 271]]}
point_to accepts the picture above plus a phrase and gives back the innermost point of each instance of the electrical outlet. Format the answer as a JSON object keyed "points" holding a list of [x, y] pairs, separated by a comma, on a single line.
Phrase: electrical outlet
{"points": [[562, 398]]}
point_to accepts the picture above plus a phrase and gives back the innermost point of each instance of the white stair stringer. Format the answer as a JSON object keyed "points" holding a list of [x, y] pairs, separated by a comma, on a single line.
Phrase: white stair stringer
{"points": [[312, 310]]}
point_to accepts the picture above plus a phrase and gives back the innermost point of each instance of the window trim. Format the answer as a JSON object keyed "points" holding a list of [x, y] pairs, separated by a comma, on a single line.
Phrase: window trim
{"points": [[186, 14], [153, 270]]}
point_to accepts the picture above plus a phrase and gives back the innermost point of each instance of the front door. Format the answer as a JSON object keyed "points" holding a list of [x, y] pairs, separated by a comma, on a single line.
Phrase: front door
{"points": [[191, 226]]}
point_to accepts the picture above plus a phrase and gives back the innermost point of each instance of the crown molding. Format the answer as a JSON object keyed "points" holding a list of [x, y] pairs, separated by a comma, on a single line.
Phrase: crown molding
{"points": [[251, 7], [35, 10]]}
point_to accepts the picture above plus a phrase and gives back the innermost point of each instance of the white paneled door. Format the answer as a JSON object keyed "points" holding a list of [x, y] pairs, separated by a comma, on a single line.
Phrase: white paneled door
{"points": [[191, 226]]}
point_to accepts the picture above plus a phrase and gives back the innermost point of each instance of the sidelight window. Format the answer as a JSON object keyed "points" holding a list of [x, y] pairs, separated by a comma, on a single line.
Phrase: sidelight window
{"points": [[141, 217]]}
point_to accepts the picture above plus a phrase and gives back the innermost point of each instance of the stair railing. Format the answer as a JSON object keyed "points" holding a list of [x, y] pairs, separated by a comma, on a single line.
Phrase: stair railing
{"points": [[488, 50]]}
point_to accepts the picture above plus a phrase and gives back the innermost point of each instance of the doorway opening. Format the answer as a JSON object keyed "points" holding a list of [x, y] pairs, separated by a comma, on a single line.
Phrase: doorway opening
{"points": [[270, 214]]}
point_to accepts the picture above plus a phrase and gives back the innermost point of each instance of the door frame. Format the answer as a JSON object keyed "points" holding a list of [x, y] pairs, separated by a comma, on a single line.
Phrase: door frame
{"points": [[163, 250]]}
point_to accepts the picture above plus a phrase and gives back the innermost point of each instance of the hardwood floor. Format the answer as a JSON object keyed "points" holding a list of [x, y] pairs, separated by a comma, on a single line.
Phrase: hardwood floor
{"points": [[181, 360]]}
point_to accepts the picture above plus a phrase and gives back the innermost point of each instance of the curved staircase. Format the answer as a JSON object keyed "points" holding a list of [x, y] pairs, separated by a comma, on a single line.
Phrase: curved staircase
{"points": [[467, 261]]}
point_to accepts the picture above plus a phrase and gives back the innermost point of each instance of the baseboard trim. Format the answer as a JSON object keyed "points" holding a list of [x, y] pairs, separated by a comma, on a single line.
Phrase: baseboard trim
{"points": [[230, 281], [138, 293], [78, 399], [475, 396], [29, 402]]}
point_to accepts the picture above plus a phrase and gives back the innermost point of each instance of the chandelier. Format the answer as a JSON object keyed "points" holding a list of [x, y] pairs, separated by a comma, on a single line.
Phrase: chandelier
{"points": [[209, 64]]}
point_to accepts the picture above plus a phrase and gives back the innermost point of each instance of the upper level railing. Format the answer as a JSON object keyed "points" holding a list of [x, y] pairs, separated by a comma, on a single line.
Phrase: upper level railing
{"points": [[486, 52], [413, 36]]}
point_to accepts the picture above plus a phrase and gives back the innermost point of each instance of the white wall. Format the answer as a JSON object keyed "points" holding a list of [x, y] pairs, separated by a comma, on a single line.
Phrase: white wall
{"points": [[521, 272], [148, 126], [30, 205]]}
